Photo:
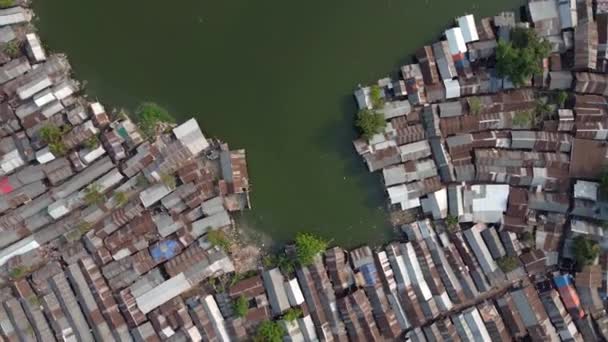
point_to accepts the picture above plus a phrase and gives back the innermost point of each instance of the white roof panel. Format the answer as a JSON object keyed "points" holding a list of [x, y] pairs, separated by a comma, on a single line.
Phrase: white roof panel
{"points": [[456, 41], [468, 28]]}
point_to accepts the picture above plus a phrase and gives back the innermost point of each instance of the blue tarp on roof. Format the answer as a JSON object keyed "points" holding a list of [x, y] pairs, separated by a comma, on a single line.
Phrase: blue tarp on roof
{"points": [[369, 274], [164, 250], [562, 280]]}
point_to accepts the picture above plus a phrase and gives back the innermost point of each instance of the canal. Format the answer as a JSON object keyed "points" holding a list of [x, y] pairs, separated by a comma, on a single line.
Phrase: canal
{"points": [[272, 76]]}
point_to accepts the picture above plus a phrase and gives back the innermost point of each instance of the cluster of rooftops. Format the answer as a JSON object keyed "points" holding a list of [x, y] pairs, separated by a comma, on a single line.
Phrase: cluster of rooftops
{"points": [[101, 238], [493, 182]]}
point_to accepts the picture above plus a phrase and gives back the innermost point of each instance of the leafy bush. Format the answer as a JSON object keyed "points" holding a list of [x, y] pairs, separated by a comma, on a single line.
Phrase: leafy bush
{"points": [[149, 114], [91, 143], [219, 238], [474, 105], [375, 93], [307, 247], [53, 136], [508, 263], [269, 331], [585, 250], [93, 195], [241, 306], [370, 123], [561, 98], [12, 48], [292, 314], [121, 198], [521, 58]]}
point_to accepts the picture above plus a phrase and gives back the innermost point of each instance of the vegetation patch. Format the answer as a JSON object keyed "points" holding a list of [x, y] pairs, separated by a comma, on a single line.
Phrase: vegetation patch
{"points": [[91, 143], [241, 306], [375, 93], [149, 115], [53, 137], [12, 48], [7, 3], [292, 314], [93, 195], [474, 105], [121, 198], [269, 331], [219, 239], [307, 248], [370, 122], [585, 251], [521, 58], [508, 263], [18, 272]]}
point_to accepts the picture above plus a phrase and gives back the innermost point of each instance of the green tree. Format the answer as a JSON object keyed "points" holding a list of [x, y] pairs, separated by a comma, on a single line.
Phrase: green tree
{"points": [[292, 314], [150, 114], [508, 263], [561, 97], [474, 105], [53, 136], [451, 222], [241, 306], [18, 272], [121, 198], [307, 247], [375, 93], [217, 237], [370, 123], [269, 331], [521, 58], [93, 195], [585, 250], [91, 143], [12, 48]]}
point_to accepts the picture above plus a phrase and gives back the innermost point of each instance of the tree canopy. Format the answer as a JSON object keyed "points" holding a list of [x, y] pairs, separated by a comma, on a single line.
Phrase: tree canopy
{"points": [[585, 250], [508, 263], [149, 114], [53, 136], [375, 93], [292, 314], [269, 331], [370, 122], [521, 58], [307, 247], [93, 195], [241, 306]]}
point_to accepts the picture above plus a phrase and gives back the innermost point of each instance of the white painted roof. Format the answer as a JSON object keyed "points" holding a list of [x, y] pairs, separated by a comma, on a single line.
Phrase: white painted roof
{"points": [[456, 42], [162, 293], [586, 190], [18, 248], [35, 47], [468, 28], [452, 89], [294, 293], [93, 155], [44, 97], [44, 155], [190, 134], [97, 108]]}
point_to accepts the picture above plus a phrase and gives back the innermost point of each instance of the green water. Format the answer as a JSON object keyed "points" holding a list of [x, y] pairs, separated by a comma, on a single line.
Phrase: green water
{"points": [[272, 76]]}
